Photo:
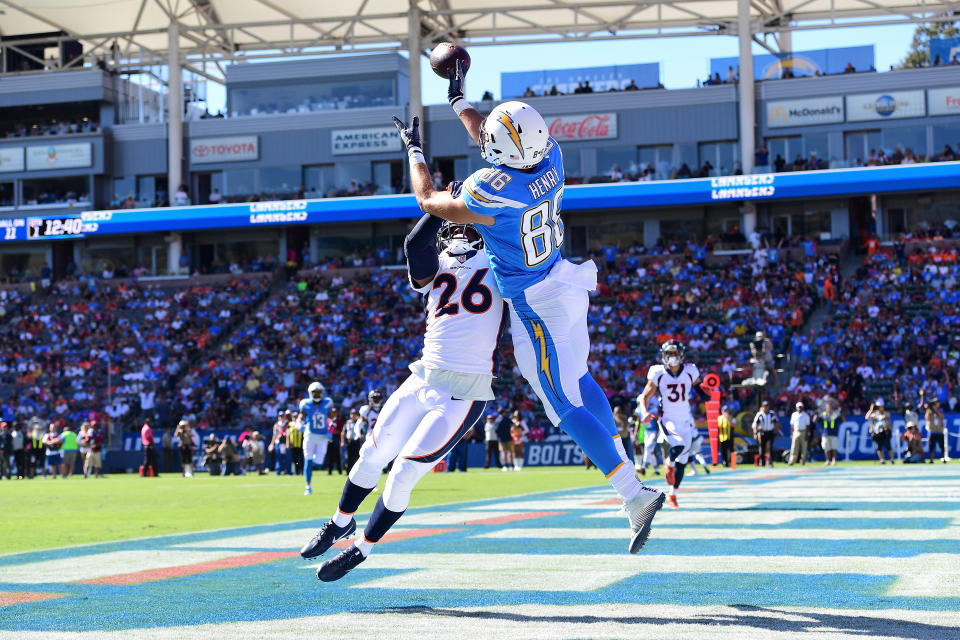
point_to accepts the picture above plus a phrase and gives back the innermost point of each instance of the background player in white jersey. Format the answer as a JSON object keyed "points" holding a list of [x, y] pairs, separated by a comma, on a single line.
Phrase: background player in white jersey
{"points": [[675, 381], [439, 403], [358, 428], [515, 206], [314, 412], [651, 446], [696, 451]]}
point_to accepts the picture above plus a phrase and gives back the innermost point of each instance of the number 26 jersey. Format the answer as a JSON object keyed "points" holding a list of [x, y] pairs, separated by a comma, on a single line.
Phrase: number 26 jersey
{"points": [[465, 313], [675, 391], [524, 241]]}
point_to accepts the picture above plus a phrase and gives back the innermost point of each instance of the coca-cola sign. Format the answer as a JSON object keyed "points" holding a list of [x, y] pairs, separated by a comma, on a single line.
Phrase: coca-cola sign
{"points": [[589, 126], [233, 149]]}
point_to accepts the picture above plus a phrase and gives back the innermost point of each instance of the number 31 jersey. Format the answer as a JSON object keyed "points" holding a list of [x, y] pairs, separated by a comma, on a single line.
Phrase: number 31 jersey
{"points": [[465, 314], [524, 241], [675, 391]]}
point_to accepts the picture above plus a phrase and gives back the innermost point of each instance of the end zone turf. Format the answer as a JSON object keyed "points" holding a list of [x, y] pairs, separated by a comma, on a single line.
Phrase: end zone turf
{"points": [[866, 551]]}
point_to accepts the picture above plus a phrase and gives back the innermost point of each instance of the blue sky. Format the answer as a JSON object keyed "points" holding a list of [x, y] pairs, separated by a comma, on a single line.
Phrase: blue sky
{"points": [[683, 61]]}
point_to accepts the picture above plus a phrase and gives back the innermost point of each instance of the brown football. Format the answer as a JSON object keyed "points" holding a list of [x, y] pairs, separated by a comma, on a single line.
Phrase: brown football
{"points": [[444, 56]]}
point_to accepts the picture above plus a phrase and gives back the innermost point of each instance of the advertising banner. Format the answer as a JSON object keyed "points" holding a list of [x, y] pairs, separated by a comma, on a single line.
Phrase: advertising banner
{"points": [[946, 48], [11, 159], [797, 113], [944, 102], [892, 105], [515, 84], [367, 140], [232, 149], [60, 156], [801, 63], [584, 126]]}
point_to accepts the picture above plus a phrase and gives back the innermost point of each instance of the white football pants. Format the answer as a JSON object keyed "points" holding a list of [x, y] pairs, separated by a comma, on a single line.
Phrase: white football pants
{"points": [[418, 426]]}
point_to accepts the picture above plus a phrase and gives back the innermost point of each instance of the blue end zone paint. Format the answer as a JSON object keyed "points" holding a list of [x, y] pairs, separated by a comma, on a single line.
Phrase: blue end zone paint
{"points": [[285, 589]]}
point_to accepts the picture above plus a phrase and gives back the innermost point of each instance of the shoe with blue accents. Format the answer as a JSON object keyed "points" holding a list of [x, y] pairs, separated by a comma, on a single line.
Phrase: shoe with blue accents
{"points": [[329, 534], [307, 491], [640, 512], [340, 566]]}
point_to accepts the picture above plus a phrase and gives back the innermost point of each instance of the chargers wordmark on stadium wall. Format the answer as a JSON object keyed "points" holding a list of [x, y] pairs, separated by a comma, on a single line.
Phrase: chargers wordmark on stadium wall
{"points": [[589, 198]]}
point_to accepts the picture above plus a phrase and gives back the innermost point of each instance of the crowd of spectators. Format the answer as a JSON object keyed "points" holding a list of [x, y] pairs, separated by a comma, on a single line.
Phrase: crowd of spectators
{"points": [[581, 88], [785, 72], [234, 354], [51, 128], [94, 350], [878, 157], [892, 331]]}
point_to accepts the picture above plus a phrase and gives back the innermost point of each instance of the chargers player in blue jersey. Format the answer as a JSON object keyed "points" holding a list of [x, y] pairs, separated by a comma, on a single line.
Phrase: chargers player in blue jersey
{"points": [[314, 414], [515, 205]]}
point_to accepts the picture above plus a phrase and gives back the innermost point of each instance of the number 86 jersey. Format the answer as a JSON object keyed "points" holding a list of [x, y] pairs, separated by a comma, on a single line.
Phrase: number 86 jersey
{"points": [[465, 314], [524, 241], [675, 391]]}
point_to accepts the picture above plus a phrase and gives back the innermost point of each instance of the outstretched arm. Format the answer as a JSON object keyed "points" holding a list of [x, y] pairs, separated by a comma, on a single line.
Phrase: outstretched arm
{"points": [[439, 203], [422, 259], [469, 116]]}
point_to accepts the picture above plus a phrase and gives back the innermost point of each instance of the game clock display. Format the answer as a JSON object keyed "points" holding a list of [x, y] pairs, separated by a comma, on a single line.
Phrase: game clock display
{"points": [[46, 228]]}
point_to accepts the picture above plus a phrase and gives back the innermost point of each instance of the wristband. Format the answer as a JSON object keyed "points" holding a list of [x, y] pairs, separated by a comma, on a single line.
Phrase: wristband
{"points": [[416, 155], [459, 105]]}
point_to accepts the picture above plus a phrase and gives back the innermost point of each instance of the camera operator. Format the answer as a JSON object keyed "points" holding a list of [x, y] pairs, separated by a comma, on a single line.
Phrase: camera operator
{"points": [[761, 351], [881, 429]]}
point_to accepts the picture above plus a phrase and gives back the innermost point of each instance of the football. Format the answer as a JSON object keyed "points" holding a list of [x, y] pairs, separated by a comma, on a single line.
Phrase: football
{"points": [[444, 58]]}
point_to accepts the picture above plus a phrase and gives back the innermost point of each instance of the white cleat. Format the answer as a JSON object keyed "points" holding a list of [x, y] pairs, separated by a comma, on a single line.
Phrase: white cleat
{"points": [[640, 512]]}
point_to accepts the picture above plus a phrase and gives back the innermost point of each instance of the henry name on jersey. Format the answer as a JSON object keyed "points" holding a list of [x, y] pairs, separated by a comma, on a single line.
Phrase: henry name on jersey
{"points": [[545, 183]]}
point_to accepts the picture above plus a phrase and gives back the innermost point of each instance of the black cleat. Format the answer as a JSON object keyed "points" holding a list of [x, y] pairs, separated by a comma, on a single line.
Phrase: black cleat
{"points": [[341, 565], [329, 533]]}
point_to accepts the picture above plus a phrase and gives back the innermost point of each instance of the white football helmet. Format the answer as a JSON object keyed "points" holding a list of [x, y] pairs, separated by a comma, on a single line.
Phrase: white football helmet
{"points": [[458, 239], [316, 391], [515, 135]]}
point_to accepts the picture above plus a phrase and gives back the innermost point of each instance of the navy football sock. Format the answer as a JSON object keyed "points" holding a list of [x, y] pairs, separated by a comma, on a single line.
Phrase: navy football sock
{"points": [[380, 522], [352, 496], [678, 474]]}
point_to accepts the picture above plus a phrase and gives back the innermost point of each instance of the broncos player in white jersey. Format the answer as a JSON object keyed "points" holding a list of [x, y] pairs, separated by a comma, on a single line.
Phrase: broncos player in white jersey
{"points": [[440, 402], [674, 380], [516, 206]]}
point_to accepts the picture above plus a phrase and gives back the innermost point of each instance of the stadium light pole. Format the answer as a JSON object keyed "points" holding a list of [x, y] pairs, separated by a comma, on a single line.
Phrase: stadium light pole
{"points": [[174, 111], [748, 111], [413, 68]]}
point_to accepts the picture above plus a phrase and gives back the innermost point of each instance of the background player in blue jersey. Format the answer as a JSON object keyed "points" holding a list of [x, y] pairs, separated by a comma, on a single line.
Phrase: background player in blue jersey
{"points": [[314, 412], [515, 205]]}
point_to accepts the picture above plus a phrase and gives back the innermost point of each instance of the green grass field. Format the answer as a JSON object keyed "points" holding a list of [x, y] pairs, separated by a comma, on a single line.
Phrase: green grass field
{"points": [[54, 513]]}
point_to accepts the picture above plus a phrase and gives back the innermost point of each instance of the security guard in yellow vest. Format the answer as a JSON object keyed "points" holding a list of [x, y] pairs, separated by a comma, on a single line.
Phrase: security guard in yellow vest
{"points": [[295, 440]]}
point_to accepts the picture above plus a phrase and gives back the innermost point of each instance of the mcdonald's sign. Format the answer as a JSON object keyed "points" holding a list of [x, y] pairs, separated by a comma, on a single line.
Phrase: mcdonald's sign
{"points": [[798, 113]]}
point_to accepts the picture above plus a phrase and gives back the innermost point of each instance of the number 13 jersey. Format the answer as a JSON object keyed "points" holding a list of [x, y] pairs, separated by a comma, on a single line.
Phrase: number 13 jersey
{"points": [[524, 241], [465, 314], [675, 391]]}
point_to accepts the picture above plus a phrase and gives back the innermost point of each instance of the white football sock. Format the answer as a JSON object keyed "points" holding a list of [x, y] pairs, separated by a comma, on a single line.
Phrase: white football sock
{"points": [[624, 481], [618, 443], [364, 545], [341, 519]]}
